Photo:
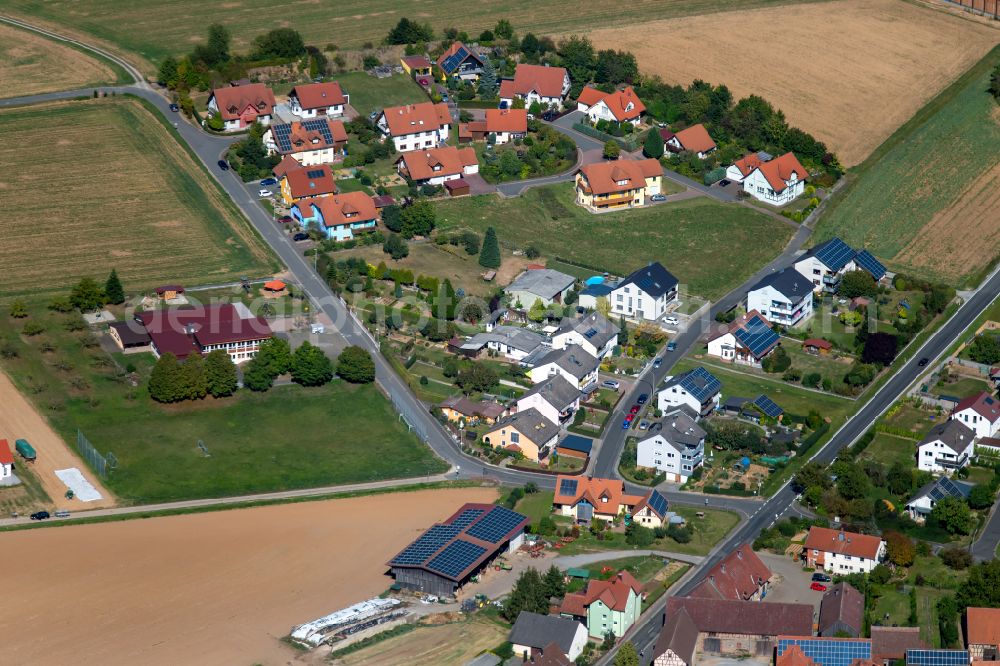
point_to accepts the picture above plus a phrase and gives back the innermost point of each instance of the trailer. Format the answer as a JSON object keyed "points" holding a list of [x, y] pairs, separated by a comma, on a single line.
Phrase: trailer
{"points": [[26, 450]]}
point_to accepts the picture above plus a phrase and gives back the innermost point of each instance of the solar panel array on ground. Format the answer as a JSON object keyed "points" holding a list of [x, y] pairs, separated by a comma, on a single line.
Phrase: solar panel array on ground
{"points": [[700, 383], [937, 658], [768, 407], [868, 262], [835, 253], [756, 337], [829, 652]]}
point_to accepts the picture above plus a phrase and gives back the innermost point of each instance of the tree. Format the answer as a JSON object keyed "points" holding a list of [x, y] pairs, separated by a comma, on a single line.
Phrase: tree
{"points": [[216, 50], [489, 255], [857, 283], [899, 548], [982, 587], [356, 365], [417, 220], [395, 247], [537, 311], [18, 310], [812, 474], [777, 361], [981, 496], [985, 349], [503, 29], [611, 150], [167, 74], [555, 585], [284, 43], [627, 655], [277, 355], [409, 32], [257, 375], [165, 381], [953, 515], [528, 594], [639, 536], [477, 377], [995, 82], [391, 218], [616, 67], [445, 302], [193, 381], [653, 145], [220, 373], [113, 290], [955, 557], [86, 295], [853, 483], [471, 242], [310, 366], [488, 81], [880, 349], [622, 331], [899, 479]]}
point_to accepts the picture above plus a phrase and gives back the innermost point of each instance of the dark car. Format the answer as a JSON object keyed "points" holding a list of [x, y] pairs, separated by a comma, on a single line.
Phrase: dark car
{"points": [[549, 116], [224, 165], [175, 108], [300, 236], [269, 181], [643, 398], [657, 361], [821, 578], [723, 182], [40, 515], [924, 361], [671, 346], [285, 219]]}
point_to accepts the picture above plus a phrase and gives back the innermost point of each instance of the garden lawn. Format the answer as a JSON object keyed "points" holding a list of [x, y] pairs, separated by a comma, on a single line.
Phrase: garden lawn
{"points": [[536, 505], [913, 419], [889, 449], [369, 94], [708, 531], [963, 387], [710, 247]]}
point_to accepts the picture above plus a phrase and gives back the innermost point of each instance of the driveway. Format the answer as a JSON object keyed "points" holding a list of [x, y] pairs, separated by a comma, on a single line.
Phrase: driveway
{"points": [[477, 185], [791, 582]]}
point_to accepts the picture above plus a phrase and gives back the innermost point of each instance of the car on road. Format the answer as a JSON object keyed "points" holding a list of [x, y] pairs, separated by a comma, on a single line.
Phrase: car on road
{"points": [[657, 361], [635, 409], [924, 361], [175, 108], [263, 193], [630, 417], [626, 424], [269, 181], [821, 578], [819, 587], [285, 219], [611, 384], [671, 321], [444, 97], [224, 165], [40, 515], [724, 182], [671, 346], [301, 236], [62, 514], [657, 198], [549, 116], [642, 399]]}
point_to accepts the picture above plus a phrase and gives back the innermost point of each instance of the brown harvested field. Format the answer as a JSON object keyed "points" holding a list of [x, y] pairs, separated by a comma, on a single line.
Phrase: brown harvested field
{"points": [[31, 64], [95, 184], [454, 643], [848, 71], [211, 588], [20, 420]]}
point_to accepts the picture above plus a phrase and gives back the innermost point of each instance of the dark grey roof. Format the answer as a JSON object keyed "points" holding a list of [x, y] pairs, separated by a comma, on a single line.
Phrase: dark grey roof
{"points": [[954, 434], [557, 391], [652, 278], [594, 328], [519, 338], [131, 332], [683, 409], [699, 382], [598, 290], [531, 423], [679, 635], [842, 603], [681, 429], [788, 282], [943, 487], [542, 282], [735, 403], [574, 359], [538, 631], [485, 659]]}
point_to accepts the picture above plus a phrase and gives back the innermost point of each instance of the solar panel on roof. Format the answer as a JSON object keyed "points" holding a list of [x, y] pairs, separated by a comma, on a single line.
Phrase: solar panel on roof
{"points": [[868, 262], [658, 503], [768, 407], [315, 173], [701, 384], [321, 126], [456, 558], [426, 545], [495, 525], [282, 137], [590, 333], [756, 337], [454, 60], [835, 254], [567, 487], [466, 517], [827, 652], [937, 657]]}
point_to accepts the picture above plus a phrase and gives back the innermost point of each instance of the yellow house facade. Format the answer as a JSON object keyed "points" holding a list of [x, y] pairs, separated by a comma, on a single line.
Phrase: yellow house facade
{"points": [[528, 432], [618, 184]]}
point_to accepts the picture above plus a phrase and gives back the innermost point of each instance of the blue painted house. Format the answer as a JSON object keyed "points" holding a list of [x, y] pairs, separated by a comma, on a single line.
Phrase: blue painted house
{"points": [[339, 216]]}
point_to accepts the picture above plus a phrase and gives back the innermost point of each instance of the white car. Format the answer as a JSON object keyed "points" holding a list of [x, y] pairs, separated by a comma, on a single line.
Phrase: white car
{"points": [[672, 321], [264, 193]]}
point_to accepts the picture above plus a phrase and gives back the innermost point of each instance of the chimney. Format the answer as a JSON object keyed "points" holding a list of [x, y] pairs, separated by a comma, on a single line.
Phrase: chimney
{"points": [[722, 568], [739, 554]]}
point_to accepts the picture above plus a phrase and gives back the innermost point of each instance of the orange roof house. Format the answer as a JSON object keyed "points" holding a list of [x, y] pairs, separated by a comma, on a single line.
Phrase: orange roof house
{"points": [[536, 83], [842, 552], [621, 105], [982, 633], [794, 656], [306, 182], [437, 163], [621, 182], [746, 165], [606, 497], [781, 169], [317, 99], [694, 139], [618, 601], [6, 457], [416, 64], [513, 121], [339, 215], [239, 106], [740, 576], [307, 136], [400, 121]]}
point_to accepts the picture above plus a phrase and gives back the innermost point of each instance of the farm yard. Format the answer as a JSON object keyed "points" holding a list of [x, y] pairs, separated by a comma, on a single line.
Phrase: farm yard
{"points": [[297, 562], [881, 61], [31, 64], [112, 188], [684, 236], [154, 32]]}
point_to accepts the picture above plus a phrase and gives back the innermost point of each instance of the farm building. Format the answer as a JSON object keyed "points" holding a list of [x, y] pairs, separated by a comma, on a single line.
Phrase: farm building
{"points": [[842, 611], [446, 556], [740, 576]]}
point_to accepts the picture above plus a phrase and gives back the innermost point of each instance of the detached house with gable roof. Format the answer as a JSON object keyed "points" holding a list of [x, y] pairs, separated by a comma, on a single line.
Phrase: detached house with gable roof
{"points": [[676, 450], [740, 576], [242, 106], [593, 332], [528, 432], [696, 389], [619, 184], [606, 605], [777, 181], [645, 294], [946, 447], [825, 264], [416, 126], [539, 284], [572, 362], [310, 100], [652, 512], [694, 139], [979, 412], [785, 298], [436, 166], [585, 498], [535, 83], [503, 125], [840, 552], [309, 142], [923, 501], [338, 216], [746, 341], [306, 183], [460, 61], [620, 106], [555, 398]]}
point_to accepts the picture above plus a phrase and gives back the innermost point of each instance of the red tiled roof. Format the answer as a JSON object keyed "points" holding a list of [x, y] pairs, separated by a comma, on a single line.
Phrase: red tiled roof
{"points": [[748, 164], [169, 287], [416, 62], [233, 100], [466, 407], [826, 540], [413, 118], [452, 50], [590, 96], [983, 626], [6, 457], [818, 343], [613, 593], [303, 140], [617, 102], [311, 181], [745, 617], [738, 576], [603, 177], [443, 161], [546, 81], [779, 170], [983, 404], [507, 120], [695, 139], [286, 164], [318, 95], [893, 642], [794, 656], [592, 490], [345, 208]]}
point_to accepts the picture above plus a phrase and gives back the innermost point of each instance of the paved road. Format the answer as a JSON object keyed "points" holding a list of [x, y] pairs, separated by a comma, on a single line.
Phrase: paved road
{"points": [[567, 561], [985, 547]]}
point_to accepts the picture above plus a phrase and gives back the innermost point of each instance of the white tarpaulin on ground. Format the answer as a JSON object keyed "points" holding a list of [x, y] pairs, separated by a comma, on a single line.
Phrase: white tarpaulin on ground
{"points": [[75, 481]]}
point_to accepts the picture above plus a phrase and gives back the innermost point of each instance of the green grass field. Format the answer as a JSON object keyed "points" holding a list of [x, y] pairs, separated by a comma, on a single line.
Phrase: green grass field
{"points": [[170, 27], [710, 247], [889, 449], [921, 171], [369, 93]]}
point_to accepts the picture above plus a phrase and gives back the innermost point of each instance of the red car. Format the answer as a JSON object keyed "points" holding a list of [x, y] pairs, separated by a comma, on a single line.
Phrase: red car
{"points": [[628, 419], [819, 587], [285, 219], [635, 409]]}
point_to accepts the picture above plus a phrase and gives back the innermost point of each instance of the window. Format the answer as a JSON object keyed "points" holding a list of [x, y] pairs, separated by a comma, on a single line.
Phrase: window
{"points": [[515, 437]]}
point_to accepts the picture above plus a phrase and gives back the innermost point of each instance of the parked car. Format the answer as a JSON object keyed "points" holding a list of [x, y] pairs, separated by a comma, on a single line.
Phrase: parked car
{"points": [[657, 198], [269, 181], [373, 115], [642, 399], [40, 515], [635, 409], [549, 116], [263, 193], [671, 346], [224, 165], [821, 578], [672, 320], [444, 97], [611, 384], [657, 361], [924, 361], [285, 219], [175, 108], [643, 424], [819, 587], [724, 182], [62, 514], [626, 424], [630, 417], [301, 236], [531, 117]]}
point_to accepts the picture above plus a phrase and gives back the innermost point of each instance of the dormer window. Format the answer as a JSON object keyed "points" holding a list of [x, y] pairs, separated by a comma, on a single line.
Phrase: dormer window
{"points": [[437, 167], [621, 182]]}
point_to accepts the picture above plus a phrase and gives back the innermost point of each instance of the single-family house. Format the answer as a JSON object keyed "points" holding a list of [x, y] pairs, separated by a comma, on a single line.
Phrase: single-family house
{"points": [[620, 106], [338, 216], [623, 183], [307, 183], [592, 331], [436, 166], [460, 408], [982, 633], [555, 398], [532, 634], [777, 181], [513, 342], [416, 126], [740, 576], [242, 106], [694, 139], [416, 65], [535, 83], [841, 612], [979, 412], [742, 168], [746, 341], [606, 605], [676, 450], [527, 432], [697, 389], [840, 552], [572, 362], [784, 297], [500, 126], [310, 100], [645, 294], [946, 447], [585, 498], [309, 142], [826, 263], [6, 461], [677, 640], [652, 511], [539, 284], [922, 503], [460, 61]]}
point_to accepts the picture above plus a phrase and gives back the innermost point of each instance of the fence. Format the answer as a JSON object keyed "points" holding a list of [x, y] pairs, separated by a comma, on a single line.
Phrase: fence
{"points": [[988, 8], [630, 143], [100, 464]]}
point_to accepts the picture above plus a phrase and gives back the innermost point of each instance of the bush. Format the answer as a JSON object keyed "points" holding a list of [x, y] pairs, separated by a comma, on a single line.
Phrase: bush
{"points": [[680, 534], [32, 328], [956, 558]]}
